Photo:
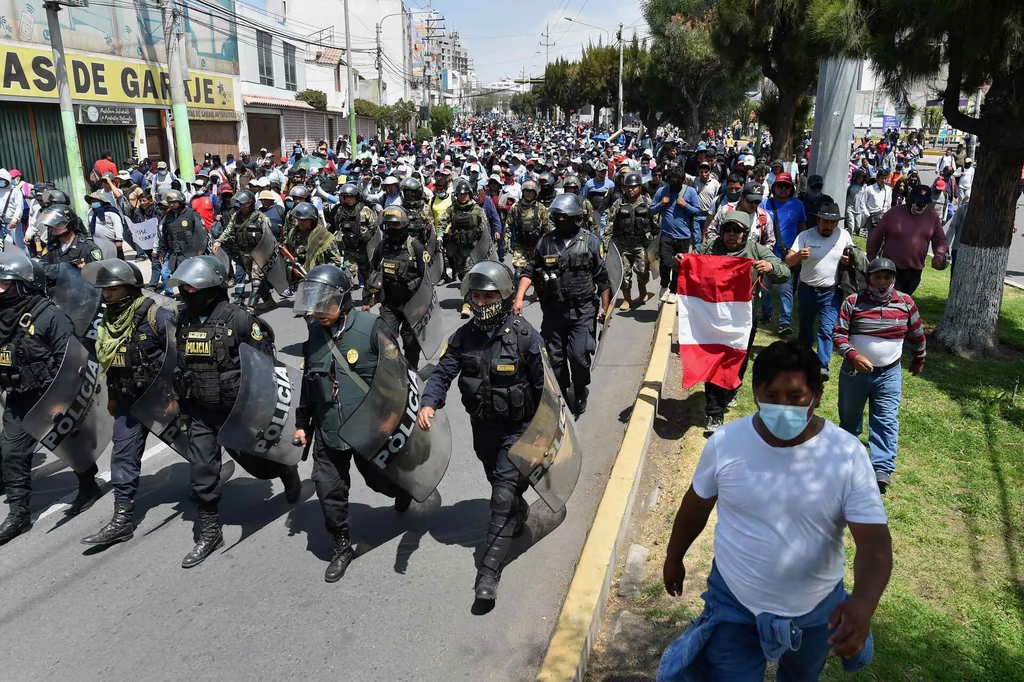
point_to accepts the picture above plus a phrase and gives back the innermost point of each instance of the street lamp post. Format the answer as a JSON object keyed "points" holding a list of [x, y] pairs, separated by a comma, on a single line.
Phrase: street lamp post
{"points": [[609, 34]]}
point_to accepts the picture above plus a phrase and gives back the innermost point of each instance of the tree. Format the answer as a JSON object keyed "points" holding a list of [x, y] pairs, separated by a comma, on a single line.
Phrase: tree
{"points": [[365, 107], [314, 98], [976, 43], [597, 75], [442, 117], [931, 119], [423, 135], [523, 104], [785, 40]]}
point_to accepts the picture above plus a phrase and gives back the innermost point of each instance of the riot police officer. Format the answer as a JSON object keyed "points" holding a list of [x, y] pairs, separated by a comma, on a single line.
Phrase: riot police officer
{"points": [[497, 358], [182, 231], [632, 229], [546, 182], [339, 362], [421, 219], [571, 185], [526, 221], [463, 226], [569, 274], [296, 195], [243, 234], [355, 226], [309, 241], [207, 380], [130, 345], [34, 337], [66, 243], [401, 261]]}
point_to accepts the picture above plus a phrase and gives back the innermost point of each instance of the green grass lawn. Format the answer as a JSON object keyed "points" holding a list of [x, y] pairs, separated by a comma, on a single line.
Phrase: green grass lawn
{"points": [[954, 609]]}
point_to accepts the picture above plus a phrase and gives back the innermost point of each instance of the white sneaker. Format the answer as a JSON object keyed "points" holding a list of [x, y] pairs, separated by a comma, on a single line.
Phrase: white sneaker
{"points": [[666, 296]]}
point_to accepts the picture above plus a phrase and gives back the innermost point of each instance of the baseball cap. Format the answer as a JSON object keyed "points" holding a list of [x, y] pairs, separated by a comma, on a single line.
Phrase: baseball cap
{"points": [[785, 178], [940, 185], [701, 148], [753, 191], [162, 165], [738, 217], [124, 175], [921, 194], [815, 181], [968, 160]]}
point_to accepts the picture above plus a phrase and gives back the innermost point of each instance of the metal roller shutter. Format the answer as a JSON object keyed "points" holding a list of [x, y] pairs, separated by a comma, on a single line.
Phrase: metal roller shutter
{"points": [[98, 139], [294, 128], [52, 150], [215, 137]]}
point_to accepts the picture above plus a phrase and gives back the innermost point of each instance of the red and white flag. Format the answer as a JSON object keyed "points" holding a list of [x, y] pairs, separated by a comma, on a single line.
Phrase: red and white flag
{"points": [[715, 318]]}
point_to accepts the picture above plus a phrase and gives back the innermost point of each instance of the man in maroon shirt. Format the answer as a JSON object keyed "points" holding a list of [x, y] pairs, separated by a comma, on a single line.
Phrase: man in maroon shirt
{"points": [[903, 236]]}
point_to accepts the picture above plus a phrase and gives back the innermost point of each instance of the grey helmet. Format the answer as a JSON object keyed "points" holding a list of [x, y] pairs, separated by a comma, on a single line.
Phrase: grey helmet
{"points": [[15, 266], [322, 288], [567, 205], [350, 190], [305, 211], [411, 189], [201, 272], [112, 272], [56, 197], [58, 216], [881, 264], [299, 192], [489, 275]]}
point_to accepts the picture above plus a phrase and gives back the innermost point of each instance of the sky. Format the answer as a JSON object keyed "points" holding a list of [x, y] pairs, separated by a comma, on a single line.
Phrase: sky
{"points": [[504, 38]]}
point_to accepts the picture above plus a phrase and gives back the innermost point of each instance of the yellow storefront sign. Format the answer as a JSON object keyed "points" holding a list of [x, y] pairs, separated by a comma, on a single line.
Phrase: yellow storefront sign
{"points": [[29, 72]]}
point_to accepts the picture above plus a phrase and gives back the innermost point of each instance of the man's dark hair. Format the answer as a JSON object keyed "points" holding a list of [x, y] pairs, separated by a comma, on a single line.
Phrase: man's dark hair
{"points": [[107, 154], [788, 356], [735, 177]]}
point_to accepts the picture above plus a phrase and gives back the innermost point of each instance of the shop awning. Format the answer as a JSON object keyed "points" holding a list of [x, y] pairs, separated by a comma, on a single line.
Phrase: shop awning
{"points": [[261, 101]]}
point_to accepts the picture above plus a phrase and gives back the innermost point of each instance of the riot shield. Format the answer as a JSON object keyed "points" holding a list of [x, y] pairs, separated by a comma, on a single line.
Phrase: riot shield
{"points": [[383, 428], [653, 253], [225, 259], [482, 248], [267, 257], [548, 453], [78, 299], [71, 418], [371, 245], [200, 241], [262, 419], [157, 409], [613, 262], [424, 314], [435, 269]]}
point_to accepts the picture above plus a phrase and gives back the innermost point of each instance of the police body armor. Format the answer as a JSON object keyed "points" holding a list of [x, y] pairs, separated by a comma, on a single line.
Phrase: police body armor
{"points": [[632, 224], [598, 200], [493, 381], [208, 370], [528, 228], [182, 242], [27, 365], [397, 270], [350, 230], [136, 363], [465, 230], [566, 275], [418, 227]]}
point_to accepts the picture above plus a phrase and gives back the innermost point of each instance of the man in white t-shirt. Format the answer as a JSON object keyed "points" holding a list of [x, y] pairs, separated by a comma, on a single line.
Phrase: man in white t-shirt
{"points": [[787, 484], [819, 253]]}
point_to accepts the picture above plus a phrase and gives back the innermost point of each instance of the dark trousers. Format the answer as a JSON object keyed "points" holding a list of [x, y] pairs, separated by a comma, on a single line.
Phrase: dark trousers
{"points": [[568, 334], [333, 482], [126, 456], [668, 266], [16, 450], [394, 319], [491, 443], [907, 281], [716, 398], [204, 454]]}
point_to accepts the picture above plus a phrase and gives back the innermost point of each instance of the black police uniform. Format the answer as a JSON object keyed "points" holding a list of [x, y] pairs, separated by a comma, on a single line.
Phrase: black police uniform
{"points": [[34, 337], [133, 368], [569, 275], [80, 250], [207, 380], [182, 235], [329, 395], [402, 267], [348, 228], [501, 378]]}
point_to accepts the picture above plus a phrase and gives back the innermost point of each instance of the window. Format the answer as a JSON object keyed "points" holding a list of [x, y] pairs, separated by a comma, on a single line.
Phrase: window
{"points": [[290, 79], [265, 57]]}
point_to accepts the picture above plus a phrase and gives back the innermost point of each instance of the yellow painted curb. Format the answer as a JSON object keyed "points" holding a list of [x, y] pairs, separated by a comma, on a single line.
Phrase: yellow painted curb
{"points": [[573, 638]]}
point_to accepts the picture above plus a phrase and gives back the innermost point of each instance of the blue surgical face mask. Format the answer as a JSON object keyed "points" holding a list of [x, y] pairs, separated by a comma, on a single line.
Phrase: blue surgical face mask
{"points": [[289, 203], [95, 204], [785, 422], [4, 184]]}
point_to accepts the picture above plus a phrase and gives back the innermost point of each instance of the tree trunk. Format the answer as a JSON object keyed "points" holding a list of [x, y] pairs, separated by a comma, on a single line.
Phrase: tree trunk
{"points": [[782, 126], [969, 326]]}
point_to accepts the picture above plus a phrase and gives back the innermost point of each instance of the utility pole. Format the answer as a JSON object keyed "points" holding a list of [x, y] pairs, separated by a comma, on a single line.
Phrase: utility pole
{"points": [[351, 88], [380, 75], [619, 126], [547, 44], [76, 170], [179, 103]]}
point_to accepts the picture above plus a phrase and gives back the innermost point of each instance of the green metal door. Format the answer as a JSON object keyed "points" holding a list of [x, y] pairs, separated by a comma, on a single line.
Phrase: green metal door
{"points": [[31, 141], [98, 139]]}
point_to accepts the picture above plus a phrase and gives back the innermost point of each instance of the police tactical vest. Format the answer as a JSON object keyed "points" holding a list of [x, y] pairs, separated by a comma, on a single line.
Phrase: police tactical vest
{"points": [[332, 394], [350, 229], [27, 364], [137, 361], [528, 225], [81, 249], [465, 226], [567, 274], [398, 268], [179, 231], [493, 381], [632, 224]]}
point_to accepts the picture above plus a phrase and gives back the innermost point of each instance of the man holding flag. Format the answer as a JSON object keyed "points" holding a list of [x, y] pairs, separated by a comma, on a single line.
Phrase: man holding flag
{"points": [[716, 314]]}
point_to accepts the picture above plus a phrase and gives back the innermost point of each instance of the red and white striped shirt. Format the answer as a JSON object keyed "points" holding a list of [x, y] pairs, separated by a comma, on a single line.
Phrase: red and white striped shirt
{"points": [[877, 330]]}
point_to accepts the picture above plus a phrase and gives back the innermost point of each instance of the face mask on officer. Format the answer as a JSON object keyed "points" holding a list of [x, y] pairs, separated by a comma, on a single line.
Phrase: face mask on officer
{"points": [[289, 202], [487, 308], [565, 225], [201, 301], [396, 234]]}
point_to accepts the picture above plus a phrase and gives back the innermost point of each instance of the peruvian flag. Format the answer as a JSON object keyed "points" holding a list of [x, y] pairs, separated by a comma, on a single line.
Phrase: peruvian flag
{"points": [[715, 318]]}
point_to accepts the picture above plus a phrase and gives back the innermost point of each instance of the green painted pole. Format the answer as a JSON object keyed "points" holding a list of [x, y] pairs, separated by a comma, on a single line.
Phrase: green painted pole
{"points": [[351, 89], [179, 103], [76, 169]]}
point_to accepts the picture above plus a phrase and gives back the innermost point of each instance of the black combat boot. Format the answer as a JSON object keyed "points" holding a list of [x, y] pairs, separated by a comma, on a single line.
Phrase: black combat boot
{"points": [[292, 485], [343, 556], [88, 492], [402, 501], [120, 528], [210, 539], [487, 586], [18, 521]]}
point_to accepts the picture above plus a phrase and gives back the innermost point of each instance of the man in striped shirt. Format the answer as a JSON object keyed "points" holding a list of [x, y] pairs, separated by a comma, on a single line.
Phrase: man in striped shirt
{"points": [[869, 335]]}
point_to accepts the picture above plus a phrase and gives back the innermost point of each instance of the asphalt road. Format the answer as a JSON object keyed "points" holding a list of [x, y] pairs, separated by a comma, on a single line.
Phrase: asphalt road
{"points": [[259, 608]]}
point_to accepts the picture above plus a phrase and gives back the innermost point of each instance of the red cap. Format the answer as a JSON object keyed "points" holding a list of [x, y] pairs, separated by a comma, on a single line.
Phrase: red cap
{"points": [[784, 178], [940, 185]]}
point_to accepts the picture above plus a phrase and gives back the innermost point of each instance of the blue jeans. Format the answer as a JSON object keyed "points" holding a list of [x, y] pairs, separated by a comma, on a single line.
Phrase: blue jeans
{"points": [[785, 297], [882, 390], [825, 306], [165, 273]]}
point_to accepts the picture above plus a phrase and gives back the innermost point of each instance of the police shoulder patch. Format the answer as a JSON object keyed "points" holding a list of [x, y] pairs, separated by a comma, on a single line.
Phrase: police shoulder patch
{"points": [[257, 332], [96, 254], [352, 356], [426, 257], [390, 350], [184, 223]]}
